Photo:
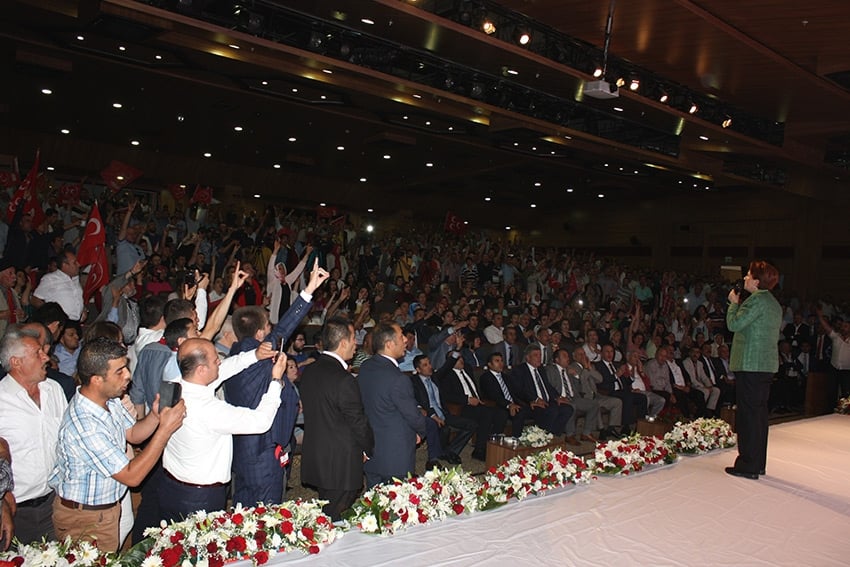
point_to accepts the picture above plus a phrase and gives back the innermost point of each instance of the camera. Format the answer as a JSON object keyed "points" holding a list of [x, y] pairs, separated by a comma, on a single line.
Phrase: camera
{"points": [[738, 286], [189, 278]]}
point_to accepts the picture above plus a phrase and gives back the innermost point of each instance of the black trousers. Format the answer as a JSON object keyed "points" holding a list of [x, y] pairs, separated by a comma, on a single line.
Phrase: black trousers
{"points": [[148, 514], [338, 501], [753, 392], [177, 501]]}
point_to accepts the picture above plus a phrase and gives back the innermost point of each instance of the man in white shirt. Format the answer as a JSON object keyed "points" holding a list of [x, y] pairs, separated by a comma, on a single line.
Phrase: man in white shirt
{"points": [[31, 409], [63, 287], [494, 333], [198, 457]]}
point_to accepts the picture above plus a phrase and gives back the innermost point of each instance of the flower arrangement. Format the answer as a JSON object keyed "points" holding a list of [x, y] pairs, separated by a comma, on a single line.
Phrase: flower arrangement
{"points": [[54, 553], [522, 476], [700, 436], [257, 534], [436, 495], [533, 436], [843, 406], [630, 454]]}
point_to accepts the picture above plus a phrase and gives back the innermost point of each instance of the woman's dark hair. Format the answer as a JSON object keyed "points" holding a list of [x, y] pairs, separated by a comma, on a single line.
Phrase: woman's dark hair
{"points": [[766, 274]]}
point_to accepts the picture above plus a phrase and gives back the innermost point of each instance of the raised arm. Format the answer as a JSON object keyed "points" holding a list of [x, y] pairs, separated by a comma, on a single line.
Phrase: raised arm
{"points": [[218, 316]]}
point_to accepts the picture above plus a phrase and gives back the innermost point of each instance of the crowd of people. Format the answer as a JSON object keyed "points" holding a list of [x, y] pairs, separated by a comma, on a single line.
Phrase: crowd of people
{"points": [[223, 345]]}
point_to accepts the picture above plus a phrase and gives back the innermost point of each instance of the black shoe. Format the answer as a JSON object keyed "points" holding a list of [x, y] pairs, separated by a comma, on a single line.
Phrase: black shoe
{"points": [[453, 458], [735, 472], [433, 463]]}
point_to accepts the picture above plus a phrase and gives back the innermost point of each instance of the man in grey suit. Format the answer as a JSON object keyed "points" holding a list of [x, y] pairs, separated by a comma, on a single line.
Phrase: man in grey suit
{"points": [[337, 439], [390, 405], [569, 388], [589, 377]]}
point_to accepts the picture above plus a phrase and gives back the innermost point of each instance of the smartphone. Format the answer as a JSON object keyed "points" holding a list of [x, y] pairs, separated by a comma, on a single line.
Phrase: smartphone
{"points": [[169, 394]]}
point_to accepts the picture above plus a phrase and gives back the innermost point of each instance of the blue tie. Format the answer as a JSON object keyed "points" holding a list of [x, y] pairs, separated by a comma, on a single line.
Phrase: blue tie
{"points": [[432, 398]]}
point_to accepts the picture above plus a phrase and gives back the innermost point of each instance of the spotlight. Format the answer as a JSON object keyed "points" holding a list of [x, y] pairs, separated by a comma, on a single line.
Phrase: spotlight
{"points": [[726, 122], [663, 97], [521, 35], [693, 109], [634, 84], [488, 27], [620, 82], [597, 72]]}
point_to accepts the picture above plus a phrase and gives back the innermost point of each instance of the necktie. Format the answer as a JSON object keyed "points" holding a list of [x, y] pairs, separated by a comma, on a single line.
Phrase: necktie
{"points": [[617, 384], [508, 354], [540, 386], [469, 383], [432, 398], [567, 383], [504, 387], [805, 361], [710, 371]]}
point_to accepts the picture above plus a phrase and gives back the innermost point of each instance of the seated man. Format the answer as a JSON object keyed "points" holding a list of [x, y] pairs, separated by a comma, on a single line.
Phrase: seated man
{"points": [[548, 410], [589, 377], [700, 381], [641, 385], [499, 392], [616, 383], [569, 388], [427, 396], [457, 387]]}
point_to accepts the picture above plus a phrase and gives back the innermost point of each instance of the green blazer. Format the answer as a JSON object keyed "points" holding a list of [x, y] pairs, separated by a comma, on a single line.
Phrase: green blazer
{"points": [[756, 324]]}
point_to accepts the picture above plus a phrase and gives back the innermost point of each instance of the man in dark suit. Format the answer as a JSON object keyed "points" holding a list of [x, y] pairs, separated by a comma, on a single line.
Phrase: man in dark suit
{"points": [[427, 395], [391, 408], [337, 436], [457, 387], [259, 460], [569, 389], [548, 411], [613, 384], [510, 349], [498, 391]]}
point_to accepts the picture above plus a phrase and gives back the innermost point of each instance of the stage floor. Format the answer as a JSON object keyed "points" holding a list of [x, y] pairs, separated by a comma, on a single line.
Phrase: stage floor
{"points": [[688, 513]]}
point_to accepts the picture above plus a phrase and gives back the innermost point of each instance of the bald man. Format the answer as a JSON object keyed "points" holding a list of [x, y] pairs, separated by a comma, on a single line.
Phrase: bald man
{"points": [[197, 458]]}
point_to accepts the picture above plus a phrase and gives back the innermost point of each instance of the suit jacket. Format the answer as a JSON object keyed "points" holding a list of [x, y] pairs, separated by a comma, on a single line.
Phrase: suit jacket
{"points": [[337, 432], [525, 384], [391, 408], [588, 379], [696, 373], [420, 393], [447, 380], [756, 323], [608, 379], [553, 375], [516, 354], [712, 364], [491, 391]]}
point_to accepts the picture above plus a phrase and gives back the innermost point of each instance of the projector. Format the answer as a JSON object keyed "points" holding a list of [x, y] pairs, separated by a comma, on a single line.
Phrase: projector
{"points": [[600, 89]]}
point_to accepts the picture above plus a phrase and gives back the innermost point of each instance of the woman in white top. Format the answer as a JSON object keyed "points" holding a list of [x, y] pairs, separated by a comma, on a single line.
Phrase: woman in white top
{"points": [[281, 287]]}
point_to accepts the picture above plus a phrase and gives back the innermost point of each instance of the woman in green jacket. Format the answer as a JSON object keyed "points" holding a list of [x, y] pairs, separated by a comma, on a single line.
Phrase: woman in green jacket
{"points": [[754, 359]]}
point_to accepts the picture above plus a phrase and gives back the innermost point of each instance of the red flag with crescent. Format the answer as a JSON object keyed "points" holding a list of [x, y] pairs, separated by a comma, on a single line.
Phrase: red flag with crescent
{"points": [[25, 195], [202, 195], [93, 251], [177, 191], [69, 194], [454, 224], [8, 179], [116, 175]]}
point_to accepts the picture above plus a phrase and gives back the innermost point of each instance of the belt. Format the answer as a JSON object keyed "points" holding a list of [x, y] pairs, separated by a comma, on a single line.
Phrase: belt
{"points": [[192, 484], [77, 506], [33, 502]]}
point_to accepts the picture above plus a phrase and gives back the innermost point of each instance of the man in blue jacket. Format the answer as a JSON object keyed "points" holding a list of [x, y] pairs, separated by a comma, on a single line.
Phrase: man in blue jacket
{"points": [[259, 460]]}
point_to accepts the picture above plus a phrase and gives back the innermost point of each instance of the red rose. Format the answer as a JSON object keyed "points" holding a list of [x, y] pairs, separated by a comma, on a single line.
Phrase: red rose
{"points": [[285, 513], [458, 509], [70, 558], [176, 537], [171, 556], [314, 549], [385, 516], [260, 510], [236, 543], [236, 519], [308, 532], [18, 561], [422, 517], [212, 548], [392, 495], [286, 528], [216, 561], [261, 557], [193, 552], [260, 537], [413, 499], [322, 520], [404, 517]]}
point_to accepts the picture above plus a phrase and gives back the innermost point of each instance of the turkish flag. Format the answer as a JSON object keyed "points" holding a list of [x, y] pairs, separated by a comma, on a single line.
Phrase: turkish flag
{"points": [[202, 195], [26, 197], [325, 212], [8, 179], [338, 223], [69, 194], [572, 286], [178, 192], [93, 251], [454, 224], [117, 175]]}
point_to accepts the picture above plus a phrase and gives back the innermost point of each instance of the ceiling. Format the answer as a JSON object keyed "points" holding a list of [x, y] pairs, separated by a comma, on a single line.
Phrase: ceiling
{"points": [[287, 113]]}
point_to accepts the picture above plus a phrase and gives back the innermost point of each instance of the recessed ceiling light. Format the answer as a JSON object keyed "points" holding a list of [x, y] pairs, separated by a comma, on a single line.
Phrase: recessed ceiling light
{"points": [[601, 195], [516, 144], [568, 137], [427, 123], [552, 152], [256, 195], [264, 83], [323, 204], [451, 128], [404, 117], [328, 71], [507, 228], [207, 154], [180, 118], [369, 228], [680, 182], [533, 148], [417, 96], [362, 180], [50, 168], [340, 148], [513, 72], [618, 109], [158, 57], [533, 206], [323, 97], [466, 222], [387, 156], [704, 138], [569, 189], [487, 199], [537, 184], [182, 186], [370, 210], [276, 166], [81, 38], [429, 164], [134, 142], [238, 128], [119, 177], [233, 45], [294, 90], [292, 139], [65, 131], [606, 165], [119, 105], [122, 48], [46, 91], [621, 169], [367, 21]]}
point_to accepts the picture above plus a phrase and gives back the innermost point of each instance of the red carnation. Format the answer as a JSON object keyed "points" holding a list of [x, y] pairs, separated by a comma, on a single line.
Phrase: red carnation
{"points": [[236, 543], [261, 557], [212, 547], [423, 518], [314, 549], [171, 556], [216, 561], [385, 516], [70, 558], [308, 532], [286, 528], [285, 513], [176, 537], [413, 499], [458, 509], [260, 537], [259, 510], [322, 520], [236, 519]]}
